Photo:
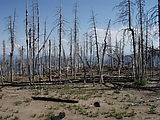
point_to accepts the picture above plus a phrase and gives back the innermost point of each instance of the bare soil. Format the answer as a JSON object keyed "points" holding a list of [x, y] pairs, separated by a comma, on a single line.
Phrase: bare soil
{"points": [[16, 103]]}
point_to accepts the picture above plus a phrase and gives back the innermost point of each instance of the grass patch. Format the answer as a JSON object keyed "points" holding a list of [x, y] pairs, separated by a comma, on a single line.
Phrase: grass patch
{"points": [[16, 118], [152, 110], [119, 115], [18, 103], [33, 116], [140, 82], [50, 114]]}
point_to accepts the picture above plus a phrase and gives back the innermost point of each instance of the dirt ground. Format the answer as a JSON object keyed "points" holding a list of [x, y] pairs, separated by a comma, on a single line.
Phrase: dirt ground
{"points": [[16, 103]]}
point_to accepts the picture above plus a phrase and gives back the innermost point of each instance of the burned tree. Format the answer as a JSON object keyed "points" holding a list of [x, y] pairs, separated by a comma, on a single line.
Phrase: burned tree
{"points": [[96, 40], [104, 51], [11, 28], [75, 37], [125, 8], [27, 44]]}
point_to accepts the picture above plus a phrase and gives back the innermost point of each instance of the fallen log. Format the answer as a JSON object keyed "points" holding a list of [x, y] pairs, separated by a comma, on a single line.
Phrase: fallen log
{"points": [[121, 86], [54, 99], [144, 101]]}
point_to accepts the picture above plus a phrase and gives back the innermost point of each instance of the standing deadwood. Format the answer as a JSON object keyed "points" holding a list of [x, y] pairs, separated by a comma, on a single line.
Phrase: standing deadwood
{"points": [[159, 31], [55, 55], [110, 50], [21, 52], [90, 49], [50, 77], [60, 40], [103, 54], [96, 40], [34, 41], [125, 16], [65, 61], [43, 50], [11, 29], [30, 53], [4, 52], [75, 40], [87, 45], [1, 73], [38, 39], [84, 48], [71, 52], [27, 43], [4, 58], [146, 51], [60, 25], [141, 5], [152, 58]]}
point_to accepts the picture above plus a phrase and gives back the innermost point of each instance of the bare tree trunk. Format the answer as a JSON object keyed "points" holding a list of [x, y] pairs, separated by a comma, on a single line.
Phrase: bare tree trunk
{"points": [[146, 55], [43, 50], [12, 38], [75, 41], [27, 43], [22, 61], [34, 43], [103, 54], [91, 49], [96, 40], [142, 40], [159, 32], [50, 77], [38, 40], [60, 41], [4, 59], [71, 60]]}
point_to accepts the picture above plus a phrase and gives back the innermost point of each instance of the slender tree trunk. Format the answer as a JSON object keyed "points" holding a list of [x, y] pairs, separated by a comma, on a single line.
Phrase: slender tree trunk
{"points": [[142, 40], [159, 32], [96, 40], [34, 43], [71, 60], [50, 77], [103, 54], [27, 43], [75, 41]]}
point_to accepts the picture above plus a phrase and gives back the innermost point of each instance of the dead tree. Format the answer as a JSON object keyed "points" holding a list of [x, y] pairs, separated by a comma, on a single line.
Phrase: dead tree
{"points": [[43, 50], [50, 52], [71, 51], [27, 44], [34, 41], [125, 16], [103, 54], [90, 49], [11, 29], [60, 25], [21, 52], [38, 38], [4, 58], [87, 45], [96, 40], [4, 52], [75, 37], [159, 30], [141, 4]]}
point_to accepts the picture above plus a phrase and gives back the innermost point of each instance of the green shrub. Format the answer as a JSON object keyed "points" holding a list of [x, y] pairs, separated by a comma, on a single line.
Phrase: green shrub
{"points": [[141, 82], [18, 103]]}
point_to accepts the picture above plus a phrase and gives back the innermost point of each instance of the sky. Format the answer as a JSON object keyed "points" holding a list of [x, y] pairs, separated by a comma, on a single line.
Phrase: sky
{"points": [[48, 9]]}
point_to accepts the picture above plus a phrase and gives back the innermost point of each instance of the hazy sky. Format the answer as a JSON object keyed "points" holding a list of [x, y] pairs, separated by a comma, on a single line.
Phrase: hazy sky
{"points": [[103, 10]]}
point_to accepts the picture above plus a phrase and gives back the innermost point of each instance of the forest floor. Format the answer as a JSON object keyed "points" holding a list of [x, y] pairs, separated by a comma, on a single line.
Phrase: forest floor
{"points": [[16, 103]]}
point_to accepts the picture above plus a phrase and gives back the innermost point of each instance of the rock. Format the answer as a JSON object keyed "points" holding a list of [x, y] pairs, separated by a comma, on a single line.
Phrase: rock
{"points": [[97, 104], [59, 117]]}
